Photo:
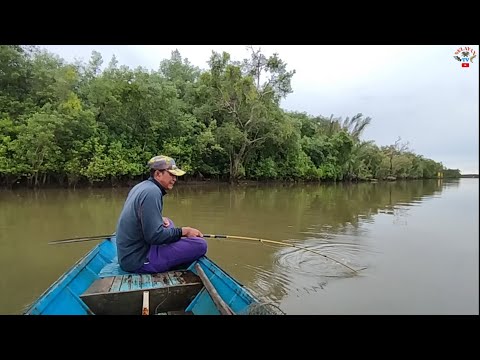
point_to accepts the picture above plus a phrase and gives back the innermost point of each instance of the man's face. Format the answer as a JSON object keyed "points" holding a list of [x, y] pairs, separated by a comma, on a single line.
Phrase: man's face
{"points": [[165, 179]]}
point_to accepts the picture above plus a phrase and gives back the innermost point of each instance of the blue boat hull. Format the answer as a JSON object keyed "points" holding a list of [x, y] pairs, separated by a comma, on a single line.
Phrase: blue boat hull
{"points": [[96, 285]]}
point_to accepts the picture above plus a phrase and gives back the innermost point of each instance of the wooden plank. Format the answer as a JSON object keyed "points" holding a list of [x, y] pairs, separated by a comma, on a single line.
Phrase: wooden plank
{"points": [[116, 283], [136, 282], [190, 277], [125, 285], [160, 280], [100, 286], [131, 282], [147, 281], [179, 276], [221, 305], [173, 279]]}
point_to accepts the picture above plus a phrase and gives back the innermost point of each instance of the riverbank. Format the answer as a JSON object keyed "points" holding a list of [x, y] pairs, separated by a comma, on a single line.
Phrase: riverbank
{"points": [[194, 181], [475, 176]]}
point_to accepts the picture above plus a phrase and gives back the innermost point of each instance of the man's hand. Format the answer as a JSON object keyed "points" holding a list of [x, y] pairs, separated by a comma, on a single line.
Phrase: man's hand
{"points": [[166, 222], [191, 232]]}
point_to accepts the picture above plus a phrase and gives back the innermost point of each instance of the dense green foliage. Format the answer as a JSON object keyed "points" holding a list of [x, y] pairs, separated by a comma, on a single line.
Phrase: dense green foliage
{"points": [[64, 124]]}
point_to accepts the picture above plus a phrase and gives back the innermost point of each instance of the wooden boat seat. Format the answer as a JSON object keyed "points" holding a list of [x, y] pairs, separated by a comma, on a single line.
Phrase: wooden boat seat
{"points": [[123, 293], [112, 269]]}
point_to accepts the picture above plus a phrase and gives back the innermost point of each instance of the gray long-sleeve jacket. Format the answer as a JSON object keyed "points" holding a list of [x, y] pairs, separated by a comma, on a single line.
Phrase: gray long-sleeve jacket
{"points": [[140, 225]]}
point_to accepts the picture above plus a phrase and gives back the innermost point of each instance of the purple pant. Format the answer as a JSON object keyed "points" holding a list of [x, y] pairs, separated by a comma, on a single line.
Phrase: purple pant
{"points": [[166, 257]]}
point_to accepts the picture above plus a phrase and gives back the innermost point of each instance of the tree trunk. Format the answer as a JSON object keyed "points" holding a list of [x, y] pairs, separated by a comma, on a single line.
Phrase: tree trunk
{"points": [[238, 160]]}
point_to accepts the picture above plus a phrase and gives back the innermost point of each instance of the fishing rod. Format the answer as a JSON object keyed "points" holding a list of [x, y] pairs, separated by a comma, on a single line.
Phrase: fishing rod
{"points": [[80, 239], [278, 243], [282, 243]]}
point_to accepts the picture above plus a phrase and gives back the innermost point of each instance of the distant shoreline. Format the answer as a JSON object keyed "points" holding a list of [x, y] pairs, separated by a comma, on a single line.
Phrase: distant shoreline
{"points": [[212, 182]]}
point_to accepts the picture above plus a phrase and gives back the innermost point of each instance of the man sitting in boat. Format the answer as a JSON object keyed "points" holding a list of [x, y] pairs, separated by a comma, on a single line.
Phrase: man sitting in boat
{"points": [[147, 242]]}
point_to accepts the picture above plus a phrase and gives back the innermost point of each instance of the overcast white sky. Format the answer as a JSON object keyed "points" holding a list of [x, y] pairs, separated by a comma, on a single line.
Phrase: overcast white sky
{"points": [[419, 92]]}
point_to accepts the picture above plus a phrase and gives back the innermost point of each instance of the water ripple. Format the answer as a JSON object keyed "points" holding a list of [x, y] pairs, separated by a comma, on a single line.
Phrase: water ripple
{"points": [[309, 268], [320, 259]]}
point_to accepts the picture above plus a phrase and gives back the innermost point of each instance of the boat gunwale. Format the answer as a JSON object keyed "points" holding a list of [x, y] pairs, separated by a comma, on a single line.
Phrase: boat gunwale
{"points": [[60, 283]]}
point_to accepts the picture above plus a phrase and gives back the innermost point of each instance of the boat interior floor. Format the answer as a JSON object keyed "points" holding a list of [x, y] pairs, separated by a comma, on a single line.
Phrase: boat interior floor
{"points": [[167, 293]]}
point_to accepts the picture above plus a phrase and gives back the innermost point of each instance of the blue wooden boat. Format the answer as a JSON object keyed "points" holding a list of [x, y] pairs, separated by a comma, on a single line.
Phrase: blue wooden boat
{"points": [[96, 285]]}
